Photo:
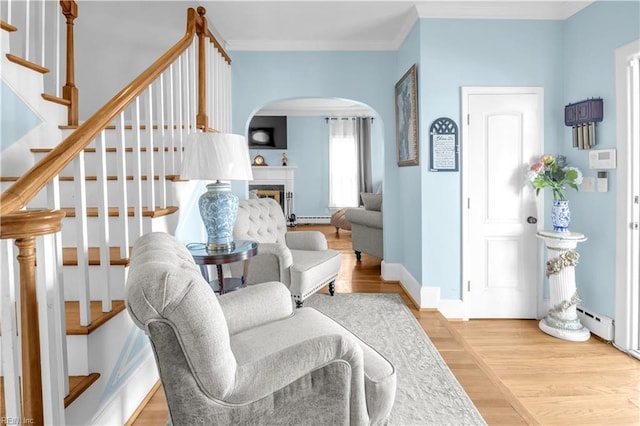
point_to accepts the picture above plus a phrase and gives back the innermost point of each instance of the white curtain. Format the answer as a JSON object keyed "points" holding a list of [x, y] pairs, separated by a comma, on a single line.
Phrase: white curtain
{"points": [[343, 163]]}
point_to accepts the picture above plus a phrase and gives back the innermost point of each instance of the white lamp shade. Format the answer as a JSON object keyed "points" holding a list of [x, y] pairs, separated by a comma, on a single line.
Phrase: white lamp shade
{"points": [[216, 156]]}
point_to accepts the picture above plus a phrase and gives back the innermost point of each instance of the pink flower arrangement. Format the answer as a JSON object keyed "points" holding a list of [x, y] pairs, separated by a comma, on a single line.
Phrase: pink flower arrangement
{"points": [[553, 172]]}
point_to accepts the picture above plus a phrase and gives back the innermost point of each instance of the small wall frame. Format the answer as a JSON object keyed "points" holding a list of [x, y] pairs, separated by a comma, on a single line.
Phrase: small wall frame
{"points": [[443, 146]]}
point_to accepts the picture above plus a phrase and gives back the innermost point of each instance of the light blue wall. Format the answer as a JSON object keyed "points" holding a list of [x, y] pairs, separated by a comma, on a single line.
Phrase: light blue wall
{"points": [[16, 118], [260, 78], [456, 53], [590, 40], [406, 230], [308, 150]]}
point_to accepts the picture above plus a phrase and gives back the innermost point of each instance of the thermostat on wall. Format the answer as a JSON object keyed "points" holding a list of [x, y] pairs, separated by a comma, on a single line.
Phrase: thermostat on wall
{"points": [[602, 159]]}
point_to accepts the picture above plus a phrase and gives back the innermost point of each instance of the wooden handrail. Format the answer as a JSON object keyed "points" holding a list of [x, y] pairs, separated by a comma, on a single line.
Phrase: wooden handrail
{"points": [[34, 180]]}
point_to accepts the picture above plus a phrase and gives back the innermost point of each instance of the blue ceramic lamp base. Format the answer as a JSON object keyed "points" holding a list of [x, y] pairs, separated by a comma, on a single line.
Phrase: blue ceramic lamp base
{"points": [[219, 208]]}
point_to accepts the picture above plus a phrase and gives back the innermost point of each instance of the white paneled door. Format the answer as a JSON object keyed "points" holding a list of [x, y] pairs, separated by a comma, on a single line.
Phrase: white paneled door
{"points": [[501, 267]]}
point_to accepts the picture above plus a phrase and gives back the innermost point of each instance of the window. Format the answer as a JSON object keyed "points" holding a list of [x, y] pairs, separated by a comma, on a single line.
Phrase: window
{"points": [[343, 163]]}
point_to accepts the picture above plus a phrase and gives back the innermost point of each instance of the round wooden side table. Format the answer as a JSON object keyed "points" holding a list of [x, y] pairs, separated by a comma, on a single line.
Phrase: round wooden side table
{"points": [[242, 251]]}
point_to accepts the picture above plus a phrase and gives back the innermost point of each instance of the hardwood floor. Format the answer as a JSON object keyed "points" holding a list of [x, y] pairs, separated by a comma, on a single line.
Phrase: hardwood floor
{"points": [[514, 373]]}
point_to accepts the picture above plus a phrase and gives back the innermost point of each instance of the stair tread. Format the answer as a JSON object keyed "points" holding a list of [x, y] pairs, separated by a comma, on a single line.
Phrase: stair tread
{"points": [[7, 26], [108, 149], [56, 99], [95, 178], [27, 64], [70, 256], [77, 385], [72, 316], [115, 211]]}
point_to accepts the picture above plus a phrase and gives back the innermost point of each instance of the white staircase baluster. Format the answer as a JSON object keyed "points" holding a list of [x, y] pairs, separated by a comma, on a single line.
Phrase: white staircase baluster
{"points": [[56, 76], [193, 65], [150, 189], [211, 87], [9, 307], [103, 218], [27, 26], [180, 118], [137, 170], [53, 198], [82, 238], [51, 336], [227, 96], [123, 204], [42, 30], [172, 131], [186, 93], [162, 173]]}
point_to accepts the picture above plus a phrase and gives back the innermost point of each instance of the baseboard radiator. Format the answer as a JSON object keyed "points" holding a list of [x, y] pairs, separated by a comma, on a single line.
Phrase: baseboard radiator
{"points": [[598, 324], [320, 220]]}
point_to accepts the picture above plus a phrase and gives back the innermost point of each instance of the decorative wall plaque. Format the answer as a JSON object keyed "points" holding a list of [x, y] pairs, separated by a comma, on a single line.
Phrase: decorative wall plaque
{"points": [[443, 138]]}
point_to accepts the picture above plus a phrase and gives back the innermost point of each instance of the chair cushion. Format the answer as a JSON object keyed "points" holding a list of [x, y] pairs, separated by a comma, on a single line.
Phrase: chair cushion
{"points": [[308, 323], [371, 201], [311, 270]]}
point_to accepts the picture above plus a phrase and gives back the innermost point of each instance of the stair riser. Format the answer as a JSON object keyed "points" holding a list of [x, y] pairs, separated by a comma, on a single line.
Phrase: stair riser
{"points": [[98, 281], [69, 231], [68, 193], [92, 164], [112, 137], [121, 353]]}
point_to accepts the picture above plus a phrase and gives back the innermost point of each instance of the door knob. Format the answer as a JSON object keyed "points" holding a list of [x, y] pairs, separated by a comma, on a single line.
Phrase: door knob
{"points": [[532, 220]]}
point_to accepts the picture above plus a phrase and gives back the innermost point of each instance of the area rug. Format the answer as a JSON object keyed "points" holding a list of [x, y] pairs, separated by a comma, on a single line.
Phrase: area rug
{"points": [[428, 392]]}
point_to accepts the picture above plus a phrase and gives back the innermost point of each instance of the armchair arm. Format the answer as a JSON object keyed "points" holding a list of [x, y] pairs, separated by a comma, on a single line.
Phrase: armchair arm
{"points": [[306, 240], [255, 305], [287, 362], [272, 263]]}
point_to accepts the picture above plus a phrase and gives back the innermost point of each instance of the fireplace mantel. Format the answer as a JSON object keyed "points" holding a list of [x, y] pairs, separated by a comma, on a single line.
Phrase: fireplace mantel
{"points": [[275, 175]]}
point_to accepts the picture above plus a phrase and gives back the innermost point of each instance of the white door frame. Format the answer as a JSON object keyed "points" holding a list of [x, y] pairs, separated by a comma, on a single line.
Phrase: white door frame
{"points": [[627, 329], [464, 102]]}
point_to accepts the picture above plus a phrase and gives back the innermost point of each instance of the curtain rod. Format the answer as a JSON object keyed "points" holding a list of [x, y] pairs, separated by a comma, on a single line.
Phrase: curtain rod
{"points": [[344, 118]]}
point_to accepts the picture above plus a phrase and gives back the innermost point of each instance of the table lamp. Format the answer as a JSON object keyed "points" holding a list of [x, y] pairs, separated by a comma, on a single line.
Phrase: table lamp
{"points": [[221, 157]]}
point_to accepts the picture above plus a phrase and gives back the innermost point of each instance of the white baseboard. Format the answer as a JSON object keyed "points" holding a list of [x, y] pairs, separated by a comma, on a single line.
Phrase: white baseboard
{"points": [[320, 220], [425, 297]]}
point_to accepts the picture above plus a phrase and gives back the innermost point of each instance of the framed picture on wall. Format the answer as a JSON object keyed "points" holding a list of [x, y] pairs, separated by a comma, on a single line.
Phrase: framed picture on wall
{"points": [[406, 101]]}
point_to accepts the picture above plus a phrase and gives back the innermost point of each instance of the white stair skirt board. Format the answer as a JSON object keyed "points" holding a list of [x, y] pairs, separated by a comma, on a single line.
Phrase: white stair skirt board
{"points": [[322, 220], [599, 325]]}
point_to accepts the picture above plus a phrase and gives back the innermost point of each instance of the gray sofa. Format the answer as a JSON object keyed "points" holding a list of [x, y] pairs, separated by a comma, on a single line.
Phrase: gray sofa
{"points": [[366, 226], [248, 357]]}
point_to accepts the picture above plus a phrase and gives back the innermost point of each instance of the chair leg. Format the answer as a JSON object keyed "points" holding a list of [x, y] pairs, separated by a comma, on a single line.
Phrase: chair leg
{"points": [[332, 288], [358, 255], [299, 303]]}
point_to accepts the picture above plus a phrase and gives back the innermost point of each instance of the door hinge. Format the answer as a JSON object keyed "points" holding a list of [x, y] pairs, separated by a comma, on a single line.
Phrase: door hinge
{"points": [[468, 285], [635, 200], [468, 119], [468, 203]]}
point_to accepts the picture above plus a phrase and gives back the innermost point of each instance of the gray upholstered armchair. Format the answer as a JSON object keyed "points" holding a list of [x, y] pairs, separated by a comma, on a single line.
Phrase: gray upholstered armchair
{"points": [[301, 260], [248, 357]]}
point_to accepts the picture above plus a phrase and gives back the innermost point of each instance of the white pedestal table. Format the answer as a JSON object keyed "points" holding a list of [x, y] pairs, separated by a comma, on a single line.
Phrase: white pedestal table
{"points": [[562, 319]]}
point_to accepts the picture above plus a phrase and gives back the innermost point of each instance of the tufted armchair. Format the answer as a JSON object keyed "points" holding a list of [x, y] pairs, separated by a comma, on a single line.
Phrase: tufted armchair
{"points": [[301, 260], [246, 357]]}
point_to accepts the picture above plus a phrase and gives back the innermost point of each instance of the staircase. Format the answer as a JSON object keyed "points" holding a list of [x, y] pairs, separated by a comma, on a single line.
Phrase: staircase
{"points": [[75, 196]]}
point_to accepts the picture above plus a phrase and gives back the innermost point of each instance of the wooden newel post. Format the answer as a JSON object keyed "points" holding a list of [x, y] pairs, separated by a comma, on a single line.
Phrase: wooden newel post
{"points": [[69, 90], [203, 32], [24, 226]]}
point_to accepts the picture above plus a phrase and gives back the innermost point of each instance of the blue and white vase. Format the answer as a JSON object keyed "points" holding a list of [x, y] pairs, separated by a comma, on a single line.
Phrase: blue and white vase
{"points": [[560, 216]]}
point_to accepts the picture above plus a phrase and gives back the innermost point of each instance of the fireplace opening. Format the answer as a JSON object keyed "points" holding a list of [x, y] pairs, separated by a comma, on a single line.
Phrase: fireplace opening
{"points": [[270, 191]]}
